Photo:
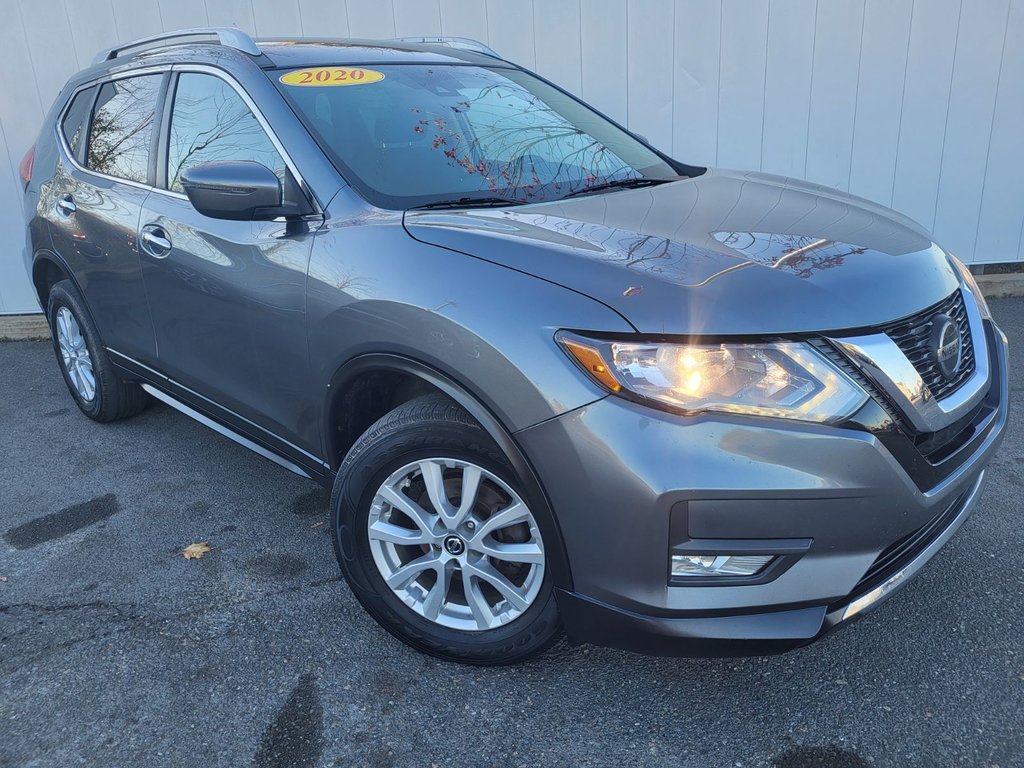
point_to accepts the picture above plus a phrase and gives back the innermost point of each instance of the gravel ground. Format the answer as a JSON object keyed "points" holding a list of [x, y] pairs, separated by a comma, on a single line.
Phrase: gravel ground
{"points": [[116, 651]]}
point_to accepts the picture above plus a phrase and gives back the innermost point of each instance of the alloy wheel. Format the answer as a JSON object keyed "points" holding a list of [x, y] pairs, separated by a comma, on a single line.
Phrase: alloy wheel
{"points": [[75, 354], [456, 544]]}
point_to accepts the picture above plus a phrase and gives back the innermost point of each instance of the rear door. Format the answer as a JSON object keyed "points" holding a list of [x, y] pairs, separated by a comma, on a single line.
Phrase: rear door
{"points": [[227, 297], [107, 134]]}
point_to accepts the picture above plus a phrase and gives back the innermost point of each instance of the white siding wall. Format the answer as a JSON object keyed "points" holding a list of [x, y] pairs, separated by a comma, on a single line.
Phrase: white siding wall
{"points": [[918, 104]]}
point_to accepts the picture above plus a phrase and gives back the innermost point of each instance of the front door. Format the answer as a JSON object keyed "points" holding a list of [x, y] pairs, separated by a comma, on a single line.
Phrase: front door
{"points": [[227, 297]]}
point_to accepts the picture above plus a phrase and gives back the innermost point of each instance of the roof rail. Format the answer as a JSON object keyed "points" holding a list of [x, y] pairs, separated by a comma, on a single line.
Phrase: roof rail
{"points": [[228, 36], [462, 43]]}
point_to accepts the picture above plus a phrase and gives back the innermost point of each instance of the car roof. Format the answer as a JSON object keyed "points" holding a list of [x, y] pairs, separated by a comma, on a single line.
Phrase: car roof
{"points": [[311, 52]]}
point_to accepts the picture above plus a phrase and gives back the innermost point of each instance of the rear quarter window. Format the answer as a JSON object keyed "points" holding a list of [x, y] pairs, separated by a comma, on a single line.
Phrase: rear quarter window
{"points": [[122, 128], [76, 119]]}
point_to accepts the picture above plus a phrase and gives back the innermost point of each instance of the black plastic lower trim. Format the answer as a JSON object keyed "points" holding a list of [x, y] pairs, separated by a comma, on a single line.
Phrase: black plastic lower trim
{"points": [[752, 634]]}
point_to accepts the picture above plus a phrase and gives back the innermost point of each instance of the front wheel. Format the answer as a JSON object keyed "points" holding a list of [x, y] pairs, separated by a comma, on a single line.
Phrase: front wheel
{"points": [[438, 543]]}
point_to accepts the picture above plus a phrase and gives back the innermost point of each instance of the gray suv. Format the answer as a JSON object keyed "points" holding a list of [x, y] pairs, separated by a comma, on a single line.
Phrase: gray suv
{"points": [[557, 380]]}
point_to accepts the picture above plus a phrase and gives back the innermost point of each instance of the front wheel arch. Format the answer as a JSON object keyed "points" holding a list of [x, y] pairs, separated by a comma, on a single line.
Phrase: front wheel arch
{"points": [[423, 378]]}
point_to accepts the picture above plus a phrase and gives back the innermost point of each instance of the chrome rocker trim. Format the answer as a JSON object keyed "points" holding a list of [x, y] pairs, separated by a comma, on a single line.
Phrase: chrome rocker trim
{"points": [[228, 433]]}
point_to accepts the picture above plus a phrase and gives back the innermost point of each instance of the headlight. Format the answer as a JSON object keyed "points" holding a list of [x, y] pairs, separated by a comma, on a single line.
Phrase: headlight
{"points": [[972, 285], [783, 379]]}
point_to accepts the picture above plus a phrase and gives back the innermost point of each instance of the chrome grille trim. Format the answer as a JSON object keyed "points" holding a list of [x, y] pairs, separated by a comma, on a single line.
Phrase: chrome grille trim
{"points": [[838, 358], [884, 362]]}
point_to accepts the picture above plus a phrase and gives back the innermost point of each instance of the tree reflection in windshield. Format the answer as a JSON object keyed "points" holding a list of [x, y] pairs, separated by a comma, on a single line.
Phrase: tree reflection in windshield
{"points": [[434, 133], [519, 145]]}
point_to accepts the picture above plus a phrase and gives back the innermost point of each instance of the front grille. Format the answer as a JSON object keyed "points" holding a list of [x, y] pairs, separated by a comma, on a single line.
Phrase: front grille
{"points": [[898, 554], [913, 337]]}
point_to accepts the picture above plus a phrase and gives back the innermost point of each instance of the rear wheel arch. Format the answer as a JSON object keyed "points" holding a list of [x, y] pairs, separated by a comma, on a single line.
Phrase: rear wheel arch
{"points": [[48, 269], [370, 386]]}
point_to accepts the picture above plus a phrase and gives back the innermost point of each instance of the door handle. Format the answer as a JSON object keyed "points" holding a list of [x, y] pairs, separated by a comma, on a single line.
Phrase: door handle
{"points": [[155, 242], [66, 205]]}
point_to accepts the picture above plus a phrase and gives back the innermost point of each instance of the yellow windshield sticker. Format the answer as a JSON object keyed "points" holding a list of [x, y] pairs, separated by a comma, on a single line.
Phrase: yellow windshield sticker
{"points": [[321, 76]]}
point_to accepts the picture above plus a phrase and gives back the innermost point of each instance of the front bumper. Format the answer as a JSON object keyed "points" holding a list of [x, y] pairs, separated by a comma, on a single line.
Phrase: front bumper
{"points": [[629, 483]]}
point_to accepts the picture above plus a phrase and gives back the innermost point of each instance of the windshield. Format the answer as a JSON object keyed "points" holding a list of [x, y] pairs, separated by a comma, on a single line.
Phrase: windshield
{"points": [[407, 135]]}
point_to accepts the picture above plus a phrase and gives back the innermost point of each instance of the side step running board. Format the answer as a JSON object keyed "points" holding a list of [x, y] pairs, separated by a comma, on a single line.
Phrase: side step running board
{"points": [[228, 433]]}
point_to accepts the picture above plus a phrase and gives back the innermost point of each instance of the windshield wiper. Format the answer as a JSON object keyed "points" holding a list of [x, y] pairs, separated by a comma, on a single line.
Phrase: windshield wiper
{"points": [[468, 202], [617, 184]]}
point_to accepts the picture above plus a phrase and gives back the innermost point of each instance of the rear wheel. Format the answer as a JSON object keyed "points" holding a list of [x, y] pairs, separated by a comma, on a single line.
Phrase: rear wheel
{"points": [[438, 542], [92, 380]]}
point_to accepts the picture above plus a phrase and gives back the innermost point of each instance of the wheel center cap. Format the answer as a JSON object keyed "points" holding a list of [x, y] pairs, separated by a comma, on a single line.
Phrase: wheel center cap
{"points": [[453, 545]]}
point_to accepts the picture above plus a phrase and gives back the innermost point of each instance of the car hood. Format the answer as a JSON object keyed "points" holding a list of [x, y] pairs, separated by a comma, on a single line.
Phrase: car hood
{"points": [[722, 253]]}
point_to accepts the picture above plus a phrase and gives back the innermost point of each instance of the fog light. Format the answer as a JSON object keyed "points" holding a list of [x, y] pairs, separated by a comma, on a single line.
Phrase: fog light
{"points": [[719, 565]]}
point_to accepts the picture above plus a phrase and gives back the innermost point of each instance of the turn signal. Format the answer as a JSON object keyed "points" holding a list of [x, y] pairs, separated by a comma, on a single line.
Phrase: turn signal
{"points": [[592, 362]]}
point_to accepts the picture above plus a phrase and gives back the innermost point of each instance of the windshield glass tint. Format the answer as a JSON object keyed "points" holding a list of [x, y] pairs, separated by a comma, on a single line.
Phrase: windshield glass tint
{"points": [[428, 133]]}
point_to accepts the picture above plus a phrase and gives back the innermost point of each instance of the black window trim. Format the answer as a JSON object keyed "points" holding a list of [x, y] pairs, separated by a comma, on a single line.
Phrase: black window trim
{"points": [[161, 125]]}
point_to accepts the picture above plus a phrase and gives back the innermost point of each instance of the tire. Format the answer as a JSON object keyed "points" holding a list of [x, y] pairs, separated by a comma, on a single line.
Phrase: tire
{"points": [[434, 437], [96, 386]]}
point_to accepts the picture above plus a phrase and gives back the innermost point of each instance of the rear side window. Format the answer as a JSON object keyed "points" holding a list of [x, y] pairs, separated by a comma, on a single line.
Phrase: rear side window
{"points": [[122, 128], [77, 118], [210, 122]]}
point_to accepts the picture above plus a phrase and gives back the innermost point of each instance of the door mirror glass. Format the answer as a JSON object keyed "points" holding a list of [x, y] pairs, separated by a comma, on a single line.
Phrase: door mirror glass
{"points": [[239, 190]]}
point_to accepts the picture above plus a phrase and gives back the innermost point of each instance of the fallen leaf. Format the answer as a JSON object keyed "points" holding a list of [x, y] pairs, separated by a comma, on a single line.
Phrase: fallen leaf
{"points": [[196, 551], [3, 578]]}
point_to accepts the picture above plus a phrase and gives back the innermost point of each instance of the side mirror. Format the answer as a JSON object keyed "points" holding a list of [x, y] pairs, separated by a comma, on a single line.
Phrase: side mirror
{"points": [[239, 190]]}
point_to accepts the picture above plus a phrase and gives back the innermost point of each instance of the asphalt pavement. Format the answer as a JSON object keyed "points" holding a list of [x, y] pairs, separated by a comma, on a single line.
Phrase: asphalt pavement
{"points": [[117, 651]]}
